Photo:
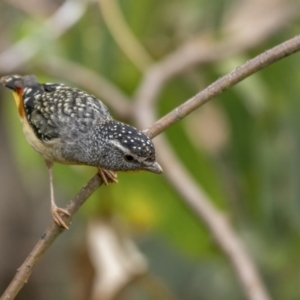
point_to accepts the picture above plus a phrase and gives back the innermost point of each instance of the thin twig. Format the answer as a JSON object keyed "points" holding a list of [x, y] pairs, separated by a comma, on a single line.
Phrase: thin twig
{"points": [[217, 224], [252, 66], [192, 194], [65, 17], [238, 37], [91, 81], [46, 240], [123, 36]]}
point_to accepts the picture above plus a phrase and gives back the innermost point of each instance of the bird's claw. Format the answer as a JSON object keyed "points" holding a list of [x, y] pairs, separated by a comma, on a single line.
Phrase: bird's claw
{"points": [[56, 211], [108, 176]]}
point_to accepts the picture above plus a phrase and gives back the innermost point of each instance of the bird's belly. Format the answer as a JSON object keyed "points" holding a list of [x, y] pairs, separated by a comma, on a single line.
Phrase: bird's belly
{"points": [[46, 150], [49, 150]]}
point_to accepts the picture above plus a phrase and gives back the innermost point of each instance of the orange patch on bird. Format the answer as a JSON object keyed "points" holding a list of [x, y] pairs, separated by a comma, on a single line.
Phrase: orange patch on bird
{"points": [[18, 95]]}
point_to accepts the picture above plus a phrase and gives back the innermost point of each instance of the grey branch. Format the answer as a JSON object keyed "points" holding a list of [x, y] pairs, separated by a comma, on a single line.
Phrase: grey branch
{"points": [[46, 240], [216, 88], [252, 66], [191, 193], [91, 81], [65, 17]]}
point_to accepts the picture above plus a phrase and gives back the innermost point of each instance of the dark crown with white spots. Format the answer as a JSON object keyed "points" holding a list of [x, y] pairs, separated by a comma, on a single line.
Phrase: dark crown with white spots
{"points": [[129, 137]]}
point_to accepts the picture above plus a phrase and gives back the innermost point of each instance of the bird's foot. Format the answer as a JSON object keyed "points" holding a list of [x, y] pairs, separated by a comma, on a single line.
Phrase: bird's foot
{"points": [[108, 176], [56, 216]]}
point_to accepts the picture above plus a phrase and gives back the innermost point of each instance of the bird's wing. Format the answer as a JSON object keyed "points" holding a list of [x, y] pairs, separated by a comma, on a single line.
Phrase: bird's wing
{"points": [[59, 111]]}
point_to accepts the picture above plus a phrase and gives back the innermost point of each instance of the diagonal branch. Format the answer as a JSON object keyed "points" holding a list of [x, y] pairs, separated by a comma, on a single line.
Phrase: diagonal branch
{"points": [[52, 232], [216, 222], [65, 17], [239, 34], [89, 80], [46, 240], [250, 67], [191, 192], [123, 35]]}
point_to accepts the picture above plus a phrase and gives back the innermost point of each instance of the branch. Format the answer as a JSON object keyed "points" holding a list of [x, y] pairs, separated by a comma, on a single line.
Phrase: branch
{"points": [[65, 17], [123, 35], [224, 235], [89, 80], [190, 190], [46, 240], [192, 194], [252, 66], [239, 34]]}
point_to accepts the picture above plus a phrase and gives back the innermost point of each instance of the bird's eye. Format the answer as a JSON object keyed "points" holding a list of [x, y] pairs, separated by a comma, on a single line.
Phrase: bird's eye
{"points": [[129, 157]]}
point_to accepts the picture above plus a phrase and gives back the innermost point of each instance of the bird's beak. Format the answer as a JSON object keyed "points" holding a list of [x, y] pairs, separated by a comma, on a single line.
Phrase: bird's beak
{"points": [[11, 82], [155, 168]]}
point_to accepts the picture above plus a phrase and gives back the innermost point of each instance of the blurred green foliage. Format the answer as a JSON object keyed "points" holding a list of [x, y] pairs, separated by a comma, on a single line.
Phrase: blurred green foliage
{"points": [[253, 177]]}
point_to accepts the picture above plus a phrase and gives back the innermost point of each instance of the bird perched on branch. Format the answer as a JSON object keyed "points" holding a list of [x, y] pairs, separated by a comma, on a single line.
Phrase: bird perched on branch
{"points": [[67, 125]]}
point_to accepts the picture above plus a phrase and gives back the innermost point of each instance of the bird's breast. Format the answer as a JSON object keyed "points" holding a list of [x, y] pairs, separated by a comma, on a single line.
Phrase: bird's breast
{"points": [[40, 147], [19, 102]]}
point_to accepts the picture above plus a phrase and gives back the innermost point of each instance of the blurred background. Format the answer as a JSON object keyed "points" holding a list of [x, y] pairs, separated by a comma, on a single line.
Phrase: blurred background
{"points": [[138, 239]]}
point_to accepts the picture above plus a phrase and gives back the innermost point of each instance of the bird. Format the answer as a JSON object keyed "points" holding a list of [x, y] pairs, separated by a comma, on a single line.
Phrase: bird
{"points": [[69, 126]]}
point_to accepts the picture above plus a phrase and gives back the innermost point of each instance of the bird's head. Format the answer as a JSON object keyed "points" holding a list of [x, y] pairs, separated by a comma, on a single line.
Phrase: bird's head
{"points": [[19, 85], [16, 82], [126, 148]]}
